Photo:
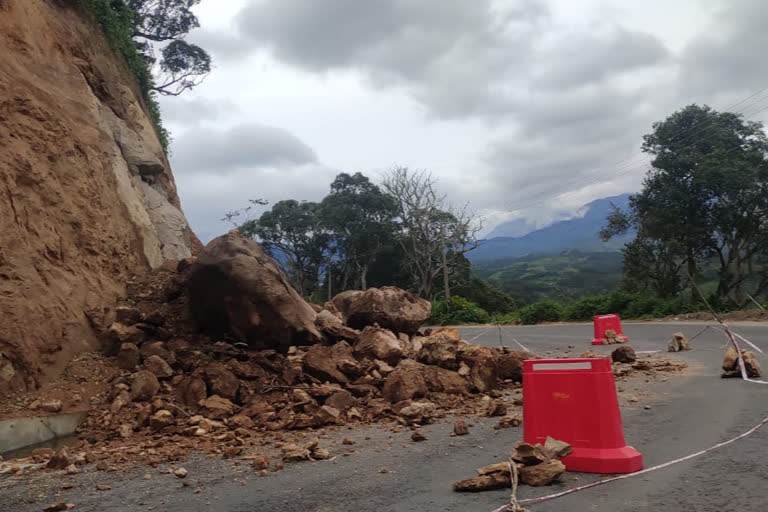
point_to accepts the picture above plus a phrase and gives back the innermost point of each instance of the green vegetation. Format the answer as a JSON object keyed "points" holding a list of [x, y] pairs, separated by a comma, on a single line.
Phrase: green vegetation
{"points": [[131, 26], [401, 233], [564, 276], [704, 204], [456, 311]]}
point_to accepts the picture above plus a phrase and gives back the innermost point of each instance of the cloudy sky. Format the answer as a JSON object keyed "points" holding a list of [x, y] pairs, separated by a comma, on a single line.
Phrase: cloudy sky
{"points": [[523, 108]]}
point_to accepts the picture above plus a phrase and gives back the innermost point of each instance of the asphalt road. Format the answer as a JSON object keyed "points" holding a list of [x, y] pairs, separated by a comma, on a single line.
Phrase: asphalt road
{"points": [[688, 413]]}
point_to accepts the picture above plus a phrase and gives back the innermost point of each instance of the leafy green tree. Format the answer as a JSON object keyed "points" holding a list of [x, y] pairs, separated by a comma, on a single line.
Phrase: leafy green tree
{"points": [[291, 232], [705, 197], [182, 65], [361, 218]]}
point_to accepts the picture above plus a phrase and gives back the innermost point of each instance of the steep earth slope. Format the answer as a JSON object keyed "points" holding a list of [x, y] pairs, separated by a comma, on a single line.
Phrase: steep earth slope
{"points": [[87, 197]]}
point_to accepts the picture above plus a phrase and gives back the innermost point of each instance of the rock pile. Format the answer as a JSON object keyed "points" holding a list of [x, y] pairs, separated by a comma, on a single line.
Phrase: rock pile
{"points": [[267, 361], [537, 465], [611, 337]]}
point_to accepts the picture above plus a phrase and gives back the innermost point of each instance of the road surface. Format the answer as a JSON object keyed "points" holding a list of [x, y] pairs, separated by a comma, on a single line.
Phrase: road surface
{"points": [[687, 413]]}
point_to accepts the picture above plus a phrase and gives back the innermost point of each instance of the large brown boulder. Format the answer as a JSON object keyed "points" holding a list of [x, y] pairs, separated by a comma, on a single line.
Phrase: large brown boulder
{"points": [[332, 326], [440, 350], [389, 307], [221, 381], [236, 289], [320, 363], [380, 344], [406, 382], [511, 364], [483, 365], [445, 381]]}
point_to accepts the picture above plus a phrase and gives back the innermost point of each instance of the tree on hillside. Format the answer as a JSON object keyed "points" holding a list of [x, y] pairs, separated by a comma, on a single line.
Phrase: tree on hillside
{"points": [[181, 65], [361, 218], [292, 231], [434, 236], [705, 197]]}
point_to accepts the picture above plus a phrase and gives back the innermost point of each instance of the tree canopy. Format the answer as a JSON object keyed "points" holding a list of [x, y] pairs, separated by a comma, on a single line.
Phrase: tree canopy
{"points": [[703, 202]]}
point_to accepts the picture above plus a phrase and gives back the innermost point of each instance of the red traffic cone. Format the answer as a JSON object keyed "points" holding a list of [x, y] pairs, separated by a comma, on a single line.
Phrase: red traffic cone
{"points": [[608, 330], [574, 400]]}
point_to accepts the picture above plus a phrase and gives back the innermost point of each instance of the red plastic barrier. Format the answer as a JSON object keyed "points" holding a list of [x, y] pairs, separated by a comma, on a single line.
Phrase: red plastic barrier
{"points": [[574, 400], [607, 323]]}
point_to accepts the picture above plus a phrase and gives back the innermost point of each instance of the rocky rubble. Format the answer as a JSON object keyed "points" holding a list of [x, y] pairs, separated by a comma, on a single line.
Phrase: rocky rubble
{"points": [[537, 465], [182, 381]]}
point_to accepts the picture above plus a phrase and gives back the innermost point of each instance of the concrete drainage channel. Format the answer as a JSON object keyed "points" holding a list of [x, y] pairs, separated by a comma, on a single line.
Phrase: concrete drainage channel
{"points": [[19, 436]]}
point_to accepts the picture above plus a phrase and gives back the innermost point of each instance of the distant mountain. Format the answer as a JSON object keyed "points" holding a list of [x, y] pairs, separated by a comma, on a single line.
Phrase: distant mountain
{"points": [[579, 233]]}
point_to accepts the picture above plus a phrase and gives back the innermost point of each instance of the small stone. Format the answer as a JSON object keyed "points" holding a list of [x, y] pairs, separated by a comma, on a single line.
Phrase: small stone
{"points": [[181, 473], [158, 366], [103, 487], [509, 421], [60, 460], [460, 427], [418, 437], [347, 441], [59, 507], [624, 354], [147, 476], [51, 406], [646, 407], [497, 408], [260, 462], [321, 454], [483, 483], [72, 469], [383, 470], [541, 474], [161, 419]]}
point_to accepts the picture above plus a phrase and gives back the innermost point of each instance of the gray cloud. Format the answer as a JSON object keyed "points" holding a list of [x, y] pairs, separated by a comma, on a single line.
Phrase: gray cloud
{"points": [[246, 145], [192, 111], [729, 54]]}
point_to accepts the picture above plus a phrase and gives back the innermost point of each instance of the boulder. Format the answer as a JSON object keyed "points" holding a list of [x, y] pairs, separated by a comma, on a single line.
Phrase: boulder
{"points": [[144, 385], [236, 289], [483, 366], [191, 390], [751, 364], [440, 350], [406, 382], [389, 307], [419, 412], [332, 327], [161, 419], [339, 305], [341, 400], [375, 343], [326, 415], [542, 474], [320, 363], [445, 381], [128, 356], [157, 348], [624, 354], [511, 364], [216, 407], [158, 366], [447, 331], [344, 356], [127, 315], [678, 343], [221, 381], [59, 461], [121, 333]]}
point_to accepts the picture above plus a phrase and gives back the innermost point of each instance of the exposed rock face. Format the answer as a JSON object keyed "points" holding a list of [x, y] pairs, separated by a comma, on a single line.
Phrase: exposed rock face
{"points": [[389, 307], [88, 197], [236, 289]]}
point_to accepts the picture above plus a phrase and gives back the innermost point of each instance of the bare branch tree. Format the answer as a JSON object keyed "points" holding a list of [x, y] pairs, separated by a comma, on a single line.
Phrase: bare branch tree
{"points": [[433, 233]]}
